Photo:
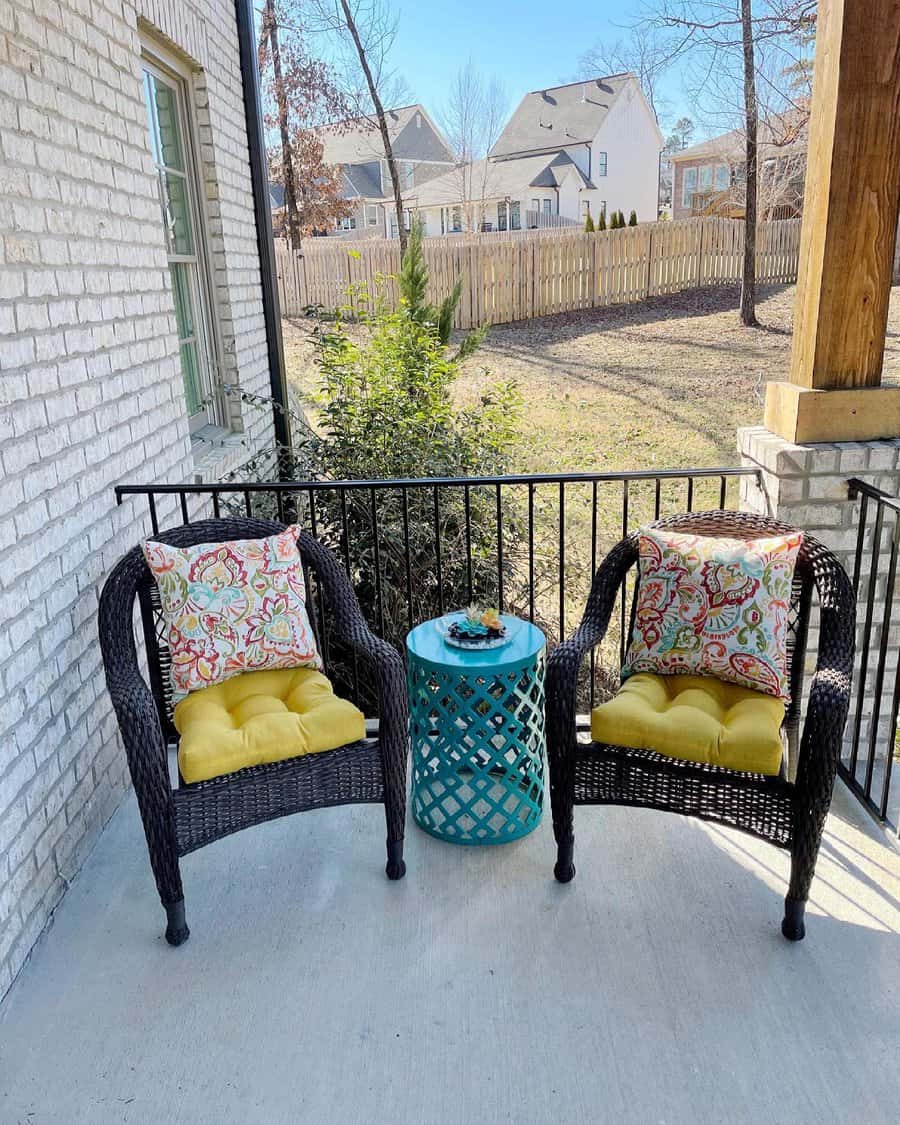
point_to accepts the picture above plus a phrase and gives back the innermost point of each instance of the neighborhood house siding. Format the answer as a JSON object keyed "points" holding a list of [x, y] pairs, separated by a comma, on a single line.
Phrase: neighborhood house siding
{"points": [[631, 139], [91, 392]]}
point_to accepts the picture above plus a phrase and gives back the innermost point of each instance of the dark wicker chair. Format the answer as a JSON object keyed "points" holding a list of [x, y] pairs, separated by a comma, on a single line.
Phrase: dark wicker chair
{"points": [[788, 810], [181, 819]]}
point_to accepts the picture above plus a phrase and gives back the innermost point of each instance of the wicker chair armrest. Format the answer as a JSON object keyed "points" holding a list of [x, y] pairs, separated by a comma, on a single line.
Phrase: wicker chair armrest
{"points": [[829, 694], [349, 625], [138, 718], [566, 658]]}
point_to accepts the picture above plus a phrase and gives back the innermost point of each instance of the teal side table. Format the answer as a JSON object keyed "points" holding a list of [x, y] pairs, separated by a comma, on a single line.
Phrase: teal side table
{"points": [[477, 733]]}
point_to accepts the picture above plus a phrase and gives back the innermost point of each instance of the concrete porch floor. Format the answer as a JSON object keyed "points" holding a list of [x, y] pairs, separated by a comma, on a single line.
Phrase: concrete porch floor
{"points": [[654, 988]]}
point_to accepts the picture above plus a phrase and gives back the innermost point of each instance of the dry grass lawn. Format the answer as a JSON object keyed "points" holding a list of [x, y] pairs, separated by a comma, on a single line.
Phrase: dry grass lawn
{"points": [[661, 384]]}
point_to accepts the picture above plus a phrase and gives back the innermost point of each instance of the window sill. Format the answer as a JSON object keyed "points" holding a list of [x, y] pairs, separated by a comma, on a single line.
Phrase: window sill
{"points": [[216, 452]]}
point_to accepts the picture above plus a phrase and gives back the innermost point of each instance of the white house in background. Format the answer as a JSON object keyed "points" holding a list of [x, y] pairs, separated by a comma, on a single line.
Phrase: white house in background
{"points": [[589, 146]]}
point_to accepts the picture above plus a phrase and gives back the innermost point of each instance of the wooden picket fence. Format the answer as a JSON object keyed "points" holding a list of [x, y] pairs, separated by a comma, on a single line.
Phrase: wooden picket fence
{"points": [[523, 274]]}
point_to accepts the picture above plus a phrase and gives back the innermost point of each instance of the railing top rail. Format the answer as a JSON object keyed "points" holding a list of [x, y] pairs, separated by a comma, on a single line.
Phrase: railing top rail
{"points": [[857, 487], [123, 490]]}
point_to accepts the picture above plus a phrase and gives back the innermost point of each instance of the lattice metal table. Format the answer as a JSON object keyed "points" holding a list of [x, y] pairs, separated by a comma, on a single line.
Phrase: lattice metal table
{"points": [[477, 731]]}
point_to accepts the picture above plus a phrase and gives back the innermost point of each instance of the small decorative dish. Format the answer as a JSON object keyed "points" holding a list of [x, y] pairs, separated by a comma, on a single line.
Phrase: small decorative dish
{"points": [[476, 629]]}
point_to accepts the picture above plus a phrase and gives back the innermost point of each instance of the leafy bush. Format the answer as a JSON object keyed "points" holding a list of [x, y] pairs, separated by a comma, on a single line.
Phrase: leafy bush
{"points": [[601, 221], [386, 411], [621, 219], [632, 219], [589, 224]]}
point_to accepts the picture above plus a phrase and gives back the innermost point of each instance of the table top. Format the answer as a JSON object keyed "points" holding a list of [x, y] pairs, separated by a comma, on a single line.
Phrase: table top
{"points": [[427, 645]]}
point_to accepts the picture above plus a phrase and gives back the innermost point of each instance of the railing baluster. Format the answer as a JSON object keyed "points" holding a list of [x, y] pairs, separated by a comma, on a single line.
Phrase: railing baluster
{"points": [[562, 561], [882, 658], [379, 599], [593, 656], [657, 499], [151, 504], [624, 590], [499, 521], [279, 503], [531, 552], [345, 543], [248, 507], [867, 633], [184, 509], [467, 497], [404, 497], [860, 540], [722, 489], [690, 494], [437, 552], [217, 507]]}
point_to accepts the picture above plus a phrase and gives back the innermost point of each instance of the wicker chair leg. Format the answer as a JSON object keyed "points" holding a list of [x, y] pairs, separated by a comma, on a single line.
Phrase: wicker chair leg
{"points": [[793, 926], [177, 931], [564, 869], [396, 865]]}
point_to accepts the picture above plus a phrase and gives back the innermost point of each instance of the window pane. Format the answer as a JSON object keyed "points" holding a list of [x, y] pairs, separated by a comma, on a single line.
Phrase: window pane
{"points": [[162, 111], [181, 294], [176, 213], [722, 177], [548, 206], [190, 370], [706, 175], [515, 222]]}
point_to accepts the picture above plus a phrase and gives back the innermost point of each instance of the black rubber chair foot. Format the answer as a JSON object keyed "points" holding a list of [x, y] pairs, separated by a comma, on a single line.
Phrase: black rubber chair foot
{"points": [[793, 926], [564, 872], [396, 867], [565, 868], [177, 931]]}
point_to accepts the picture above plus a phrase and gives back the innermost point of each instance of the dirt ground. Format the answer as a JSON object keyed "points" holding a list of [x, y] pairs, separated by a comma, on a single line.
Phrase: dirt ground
{"points": [[661, 384]]}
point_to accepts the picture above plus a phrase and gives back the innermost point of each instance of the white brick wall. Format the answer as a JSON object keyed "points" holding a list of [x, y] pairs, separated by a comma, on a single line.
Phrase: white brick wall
{"points": [[91, 391]]}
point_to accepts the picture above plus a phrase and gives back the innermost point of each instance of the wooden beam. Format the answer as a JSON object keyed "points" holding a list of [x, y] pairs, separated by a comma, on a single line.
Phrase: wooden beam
{"points": [[851, 196], [854, 414]]}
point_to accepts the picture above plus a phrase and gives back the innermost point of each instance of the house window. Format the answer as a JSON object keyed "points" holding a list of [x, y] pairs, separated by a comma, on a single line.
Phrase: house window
{"points": [[535, 205], [371, 215], [509, 215], [601, 163], [547, 206], [723, 179], [347, 223], [602, 210], [688, 186], [706, 177], [585, 208], [456, 220], [171, 143]]}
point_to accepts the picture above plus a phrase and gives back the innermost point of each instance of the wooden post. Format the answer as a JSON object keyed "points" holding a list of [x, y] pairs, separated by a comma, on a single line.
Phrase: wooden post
{"points": [[849, 232]]}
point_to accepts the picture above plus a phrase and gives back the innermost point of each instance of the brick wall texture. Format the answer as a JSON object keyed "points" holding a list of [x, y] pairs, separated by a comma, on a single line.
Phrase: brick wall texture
{"points": [[91, 391]]}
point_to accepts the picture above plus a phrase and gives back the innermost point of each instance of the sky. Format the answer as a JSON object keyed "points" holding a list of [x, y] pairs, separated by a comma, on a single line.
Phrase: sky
{"points": [[527, 45]]}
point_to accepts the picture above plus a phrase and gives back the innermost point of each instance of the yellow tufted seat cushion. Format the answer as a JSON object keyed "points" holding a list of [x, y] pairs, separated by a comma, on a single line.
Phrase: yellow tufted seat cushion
{"points": [[695, 718], [259, 717]]}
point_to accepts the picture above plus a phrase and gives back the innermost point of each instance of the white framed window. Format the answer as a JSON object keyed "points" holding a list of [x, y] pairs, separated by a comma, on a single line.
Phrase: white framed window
{"points": [[547, 206], [706, 177], [347, 223], [371, 215], [585, 208], [456, 220], [509, 215], [535, 205], [688, 186], [723, 177], [173, 147], [601, 163]]}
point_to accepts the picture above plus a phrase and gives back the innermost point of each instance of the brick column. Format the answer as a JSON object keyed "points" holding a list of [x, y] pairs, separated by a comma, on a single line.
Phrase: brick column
{"points": [[806, 485]]}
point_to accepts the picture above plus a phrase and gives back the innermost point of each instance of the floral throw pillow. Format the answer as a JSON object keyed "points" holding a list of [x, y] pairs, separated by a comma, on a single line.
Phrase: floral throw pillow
{"points": [[714, 607], [233, 607]]}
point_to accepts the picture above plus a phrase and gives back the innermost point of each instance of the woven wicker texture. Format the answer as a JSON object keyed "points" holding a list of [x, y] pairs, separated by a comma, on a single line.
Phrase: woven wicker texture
{"points": [[180, 820], [789, 813]]}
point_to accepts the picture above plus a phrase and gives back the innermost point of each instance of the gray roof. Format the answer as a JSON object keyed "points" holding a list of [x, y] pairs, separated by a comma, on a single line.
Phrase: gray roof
{"points": [[414, 136], [363, 180], [560, 115], [787, 132], [276, 196], [499, 177]]}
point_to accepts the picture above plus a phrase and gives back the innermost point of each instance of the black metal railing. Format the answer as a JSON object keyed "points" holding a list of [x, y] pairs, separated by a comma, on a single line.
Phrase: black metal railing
{"points": [[416, 548], [871, 741]]}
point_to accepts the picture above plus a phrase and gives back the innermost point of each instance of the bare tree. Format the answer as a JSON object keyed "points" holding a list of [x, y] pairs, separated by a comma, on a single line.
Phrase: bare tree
{"points": [[363, 33], [733, 49], [646, 51], [473, 118]]}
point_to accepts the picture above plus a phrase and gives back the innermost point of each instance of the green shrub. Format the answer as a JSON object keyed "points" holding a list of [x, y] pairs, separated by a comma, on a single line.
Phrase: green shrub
{"points": [[601, 221], [589, 224], [614, 221], [386, 410], [620, 220], [632, 219]]}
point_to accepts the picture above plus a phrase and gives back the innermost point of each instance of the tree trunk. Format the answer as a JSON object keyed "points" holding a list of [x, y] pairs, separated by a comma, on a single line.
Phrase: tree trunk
{"points": [[751, 114], [292, 216], [382, 123]]}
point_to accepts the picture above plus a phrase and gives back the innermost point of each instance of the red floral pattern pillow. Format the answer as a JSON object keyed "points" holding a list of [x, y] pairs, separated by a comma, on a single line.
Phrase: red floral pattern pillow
{"points": [[714, 607], [233, 607]]}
